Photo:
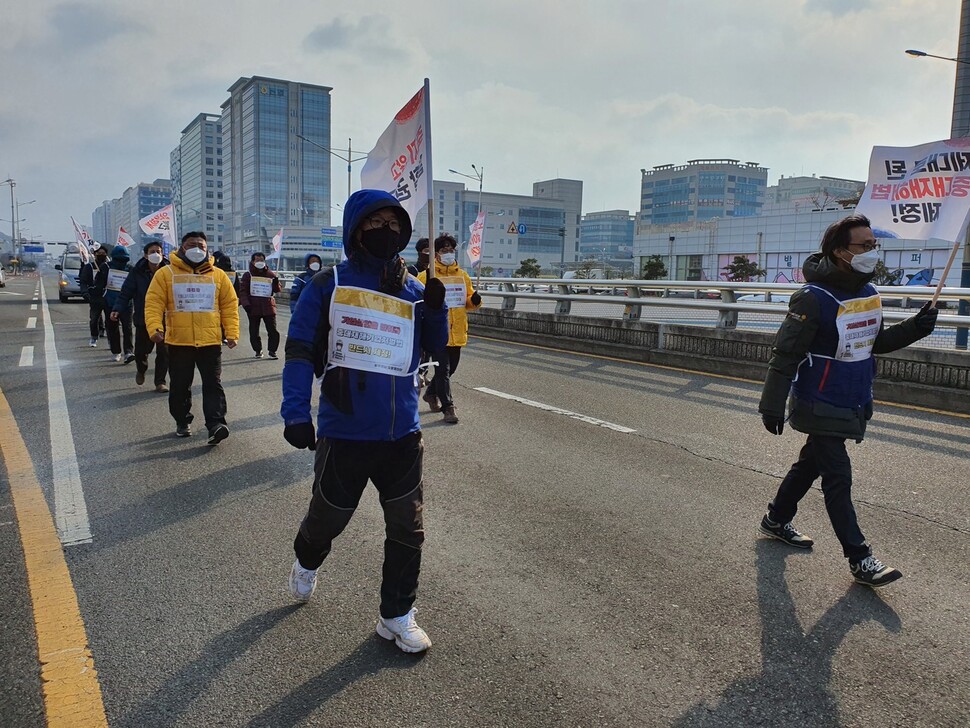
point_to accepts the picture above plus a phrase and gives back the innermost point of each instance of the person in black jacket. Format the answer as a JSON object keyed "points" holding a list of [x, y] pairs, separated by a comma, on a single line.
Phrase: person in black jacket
{"points": [[823, 358], [88, 278], [118, 326], [133, 294]]}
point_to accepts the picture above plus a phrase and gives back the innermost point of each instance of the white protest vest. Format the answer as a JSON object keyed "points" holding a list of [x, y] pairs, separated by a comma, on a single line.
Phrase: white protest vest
{"points": [[455, 292], [370, 331], [115, 279], [260, 287], [858, 323], [194, 294]]}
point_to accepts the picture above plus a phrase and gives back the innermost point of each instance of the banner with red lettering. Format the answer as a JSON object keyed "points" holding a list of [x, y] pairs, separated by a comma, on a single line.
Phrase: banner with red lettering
{"points": [[161, 223], [83, 240], [124, 239], [919, 192], [400, 163], [477, 230]]}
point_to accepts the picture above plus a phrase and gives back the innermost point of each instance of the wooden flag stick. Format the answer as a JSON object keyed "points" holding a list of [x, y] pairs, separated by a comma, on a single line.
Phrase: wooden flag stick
{"points": [[946, 272]]}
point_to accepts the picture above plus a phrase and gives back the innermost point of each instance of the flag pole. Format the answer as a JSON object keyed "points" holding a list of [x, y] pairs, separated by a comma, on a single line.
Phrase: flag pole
{"points": [[430, 177], [946, 272]]}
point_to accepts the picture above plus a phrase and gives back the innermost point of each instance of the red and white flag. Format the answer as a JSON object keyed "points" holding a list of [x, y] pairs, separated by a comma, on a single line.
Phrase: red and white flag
{"points": [[277, 245], [124, 239], [162, 223], [83, 240], [477, 229], [400, 163]]}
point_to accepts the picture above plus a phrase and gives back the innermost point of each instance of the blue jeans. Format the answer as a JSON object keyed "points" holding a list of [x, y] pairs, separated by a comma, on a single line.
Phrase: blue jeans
{"points": [[827, 458]]}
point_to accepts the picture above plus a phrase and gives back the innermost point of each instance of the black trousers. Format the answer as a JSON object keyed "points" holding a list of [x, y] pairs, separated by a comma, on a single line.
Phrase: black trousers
{"points": [[341, 471], [143, 347], [118, 331], [825, 457], [447, 360], [95, 317], [182, 362], [272, 335]]}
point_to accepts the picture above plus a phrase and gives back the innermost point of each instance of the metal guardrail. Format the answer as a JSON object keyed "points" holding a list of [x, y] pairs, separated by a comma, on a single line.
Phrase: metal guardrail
{"points": [[719, 296]]}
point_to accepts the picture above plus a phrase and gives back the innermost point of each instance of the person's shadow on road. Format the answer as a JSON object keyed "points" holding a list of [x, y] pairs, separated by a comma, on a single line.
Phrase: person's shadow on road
{"points": [[796, 664]]}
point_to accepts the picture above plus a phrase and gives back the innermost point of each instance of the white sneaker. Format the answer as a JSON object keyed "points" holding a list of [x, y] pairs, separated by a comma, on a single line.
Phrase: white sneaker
{"points": [[93, 343], [303, 582], [405, 632], [116, 357]]}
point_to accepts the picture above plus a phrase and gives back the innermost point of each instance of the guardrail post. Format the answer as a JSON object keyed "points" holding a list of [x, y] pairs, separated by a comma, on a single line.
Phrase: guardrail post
{"points": [[727, 319], [508, 302], [563, 304], [632, 311]]}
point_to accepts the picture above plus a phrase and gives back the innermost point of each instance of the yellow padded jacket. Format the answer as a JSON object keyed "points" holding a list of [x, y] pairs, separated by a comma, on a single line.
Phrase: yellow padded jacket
{"points": [[457, 316], [191, 328]]}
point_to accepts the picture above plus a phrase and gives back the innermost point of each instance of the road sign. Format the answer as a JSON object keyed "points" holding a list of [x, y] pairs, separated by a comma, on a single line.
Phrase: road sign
{"points": [[33, 248], [328, 232], [522, 229], [331, 243], [512, 229]]}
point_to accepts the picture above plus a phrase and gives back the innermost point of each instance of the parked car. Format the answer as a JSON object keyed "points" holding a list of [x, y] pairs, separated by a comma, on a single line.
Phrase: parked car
{"points": [[68, 283]]}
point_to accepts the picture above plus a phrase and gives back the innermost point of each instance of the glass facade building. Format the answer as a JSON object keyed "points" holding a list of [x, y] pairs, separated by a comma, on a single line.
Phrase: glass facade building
{"points": [[273, 179], [197, 182], [607, 235]]}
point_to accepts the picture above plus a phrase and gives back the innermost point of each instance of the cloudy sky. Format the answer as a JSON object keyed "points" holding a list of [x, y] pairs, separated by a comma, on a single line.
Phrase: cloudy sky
{"points": [[95, 94]]}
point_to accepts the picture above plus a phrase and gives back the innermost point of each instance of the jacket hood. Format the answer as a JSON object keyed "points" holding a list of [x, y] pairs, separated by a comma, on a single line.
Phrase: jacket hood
{"points": [[119, 258], [361, 204], [306, 260], [818, 268]]}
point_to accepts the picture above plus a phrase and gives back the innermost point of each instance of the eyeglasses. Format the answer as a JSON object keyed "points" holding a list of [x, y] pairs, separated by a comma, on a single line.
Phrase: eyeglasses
{"points": [[867, 247], [376, 221]]}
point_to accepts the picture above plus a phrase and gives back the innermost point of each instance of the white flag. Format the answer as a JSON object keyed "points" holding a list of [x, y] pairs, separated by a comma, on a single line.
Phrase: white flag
{"points": [[124, 239], [400, 163], [477, 229], [83, 240], [919, 192], [277, 245], [161, 223]]}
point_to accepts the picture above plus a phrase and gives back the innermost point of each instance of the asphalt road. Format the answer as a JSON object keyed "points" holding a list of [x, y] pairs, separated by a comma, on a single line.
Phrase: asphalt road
{"points": [[575, 574]]}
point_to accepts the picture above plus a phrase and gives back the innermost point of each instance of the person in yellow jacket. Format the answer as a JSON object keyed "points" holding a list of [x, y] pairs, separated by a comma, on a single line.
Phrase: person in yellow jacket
{"points": [[188, 305], [460, 297]]}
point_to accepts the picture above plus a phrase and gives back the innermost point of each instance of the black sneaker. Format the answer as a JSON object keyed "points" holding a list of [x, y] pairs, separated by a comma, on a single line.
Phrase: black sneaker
{"points": [[183, 431], [871, 572], [272, 355], [258, 355], [785, 532], [217, 434], [129, 358]]}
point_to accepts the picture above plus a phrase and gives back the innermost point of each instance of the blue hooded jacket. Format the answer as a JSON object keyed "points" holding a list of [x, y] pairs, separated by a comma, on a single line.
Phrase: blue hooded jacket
{"points": [[299, 283], [119, 261], [356, 405]]}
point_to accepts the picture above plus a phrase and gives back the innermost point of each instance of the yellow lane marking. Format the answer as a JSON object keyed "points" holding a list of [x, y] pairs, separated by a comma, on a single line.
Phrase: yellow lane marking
{"points": [[917, 408], [72, 694]]}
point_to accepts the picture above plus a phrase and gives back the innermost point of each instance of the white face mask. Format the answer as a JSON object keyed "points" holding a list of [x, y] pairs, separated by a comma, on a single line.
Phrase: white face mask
{"points": [[865, 262], [196, 255], [154, 258], [314, 266], [447, 258], [260, 264]]}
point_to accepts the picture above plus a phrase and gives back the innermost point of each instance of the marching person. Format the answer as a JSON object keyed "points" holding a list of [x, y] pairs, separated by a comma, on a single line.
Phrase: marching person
{"points": [[421, 248], [118, 320], [133, 293], [224, 263], [462, 297], [823, 357], [361, 325], [88, 279], [257, 291], [188, 305], [311, 265]]}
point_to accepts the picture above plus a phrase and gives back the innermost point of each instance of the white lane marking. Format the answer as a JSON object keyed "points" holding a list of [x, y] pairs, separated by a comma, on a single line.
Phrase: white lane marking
{"points": [[33, 306], [70, 510], [557, 410], [32, 322], [12, 293], [27, 356]]}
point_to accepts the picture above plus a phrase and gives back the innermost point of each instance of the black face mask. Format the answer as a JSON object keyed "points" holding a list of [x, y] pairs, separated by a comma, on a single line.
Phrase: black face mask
{"points": [[383, 243]]}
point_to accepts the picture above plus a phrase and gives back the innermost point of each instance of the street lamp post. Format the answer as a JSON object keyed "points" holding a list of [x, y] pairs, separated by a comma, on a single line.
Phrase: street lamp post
{"points": [[349, 159], [959, 127], [13, 212]]}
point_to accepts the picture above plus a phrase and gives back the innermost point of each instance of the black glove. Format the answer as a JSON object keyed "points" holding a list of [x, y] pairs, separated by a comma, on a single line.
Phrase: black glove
{"points": [[925, 319], [774, 425], [434, 294], [476, 299], [301, 435]]}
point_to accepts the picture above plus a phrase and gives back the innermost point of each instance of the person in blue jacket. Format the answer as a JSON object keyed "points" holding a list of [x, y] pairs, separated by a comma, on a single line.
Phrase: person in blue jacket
{"points": [[311, 266], [823, 363], [361, 325], [118, 327]]}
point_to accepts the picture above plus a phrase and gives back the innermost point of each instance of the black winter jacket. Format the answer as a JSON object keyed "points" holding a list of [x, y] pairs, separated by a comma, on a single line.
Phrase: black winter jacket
{"points": [[135, 287]]}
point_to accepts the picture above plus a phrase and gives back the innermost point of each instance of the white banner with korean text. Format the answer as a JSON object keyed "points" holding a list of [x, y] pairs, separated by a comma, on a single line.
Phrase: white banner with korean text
{"points": [[920, 192], [477, 229], [400, 162], [162, 223]]}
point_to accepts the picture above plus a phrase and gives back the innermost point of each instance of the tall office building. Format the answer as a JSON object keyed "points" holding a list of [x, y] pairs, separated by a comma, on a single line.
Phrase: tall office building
{"points": [[104, 221], [272, 178], [607, 236], [196, 166], [701, 190], [135, 203], [570, 191]]}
